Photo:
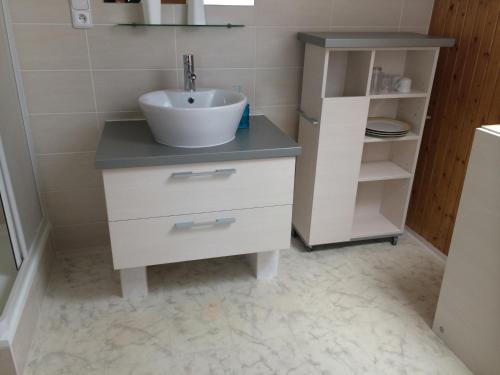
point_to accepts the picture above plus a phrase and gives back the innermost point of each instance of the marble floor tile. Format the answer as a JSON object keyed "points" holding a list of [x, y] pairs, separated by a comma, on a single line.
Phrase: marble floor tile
{"points": [[362, 309], [274, 356], [69, 350], [211, 362]]}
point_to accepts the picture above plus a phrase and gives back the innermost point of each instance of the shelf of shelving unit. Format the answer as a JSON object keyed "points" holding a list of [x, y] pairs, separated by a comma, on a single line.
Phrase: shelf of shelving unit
{"points": [[380, 207], [347, 73], [398, 95], [373, 225], [415, 64], [381, 170], [409, 137], [387, 160], [408, 109]]}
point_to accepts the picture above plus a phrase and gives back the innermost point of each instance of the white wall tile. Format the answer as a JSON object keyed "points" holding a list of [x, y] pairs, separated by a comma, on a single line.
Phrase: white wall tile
{"points": [[217, 47], [285, 117], [72, 237], [114, 47], [239, 15], [110, 14], [108, 116], [393, 28], [220, 14], [354, 13], [278, 86], [417, 15], [72, 207], [58, 91], [279, 47], [37, 11], [229, 79], [68, 171], [51, 47], [64, 133], [293, 12], [119, 90], [415, 29]]}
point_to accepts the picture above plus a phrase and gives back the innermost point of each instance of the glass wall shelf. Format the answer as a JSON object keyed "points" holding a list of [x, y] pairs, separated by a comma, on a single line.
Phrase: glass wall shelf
{"points": [[228, 25]]}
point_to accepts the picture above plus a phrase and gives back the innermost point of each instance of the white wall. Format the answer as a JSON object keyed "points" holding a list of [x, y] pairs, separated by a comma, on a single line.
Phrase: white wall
{"points": [[77, 79]]}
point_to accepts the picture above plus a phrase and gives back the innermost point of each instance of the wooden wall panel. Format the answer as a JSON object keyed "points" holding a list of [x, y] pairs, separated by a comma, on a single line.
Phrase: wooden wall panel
{"points": [[466, 95]]}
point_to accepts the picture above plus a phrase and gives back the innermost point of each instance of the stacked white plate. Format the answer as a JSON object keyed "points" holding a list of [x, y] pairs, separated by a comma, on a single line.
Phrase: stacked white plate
{"points": [[384, 127]]}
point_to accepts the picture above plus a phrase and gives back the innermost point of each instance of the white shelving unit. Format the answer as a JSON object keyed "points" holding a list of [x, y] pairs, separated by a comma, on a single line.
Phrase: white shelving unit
{"points": [[350, 186], [410, 137], [381, 171], [391, 95]]}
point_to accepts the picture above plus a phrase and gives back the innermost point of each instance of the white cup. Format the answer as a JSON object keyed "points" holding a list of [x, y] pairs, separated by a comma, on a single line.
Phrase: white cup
{"points": [[152, 11], [403, 85], [196, 12]]}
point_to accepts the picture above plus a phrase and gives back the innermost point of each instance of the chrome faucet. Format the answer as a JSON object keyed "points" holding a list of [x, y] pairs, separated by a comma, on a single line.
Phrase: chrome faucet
{"points": [[189, 75]]}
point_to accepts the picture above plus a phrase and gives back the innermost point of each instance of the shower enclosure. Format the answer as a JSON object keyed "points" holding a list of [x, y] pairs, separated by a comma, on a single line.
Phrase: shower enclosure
{"points": [[9, 262], [25, 251], [19, 204]]}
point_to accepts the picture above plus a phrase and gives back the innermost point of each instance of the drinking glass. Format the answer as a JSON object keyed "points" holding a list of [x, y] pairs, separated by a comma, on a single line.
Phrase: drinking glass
{"points": [[386, 84], [376, 78]]}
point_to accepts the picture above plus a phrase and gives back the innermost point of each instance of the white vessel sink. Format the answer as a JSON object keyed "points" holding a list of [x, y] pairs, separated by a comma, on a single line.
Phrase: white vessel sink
{"points": [[202, 118]]}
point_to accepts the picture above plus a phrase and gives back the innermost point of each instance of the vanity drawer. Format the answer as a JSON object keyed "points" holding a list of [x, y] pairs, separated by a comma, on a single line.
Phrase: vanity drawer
{"points": [[137, 193], [145, 242]]}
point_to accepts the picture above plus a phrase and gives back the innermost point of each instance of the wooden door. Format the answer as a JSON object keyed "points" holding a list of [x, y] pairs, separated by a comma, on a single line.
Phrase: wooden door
{"points": [[466, 95]]}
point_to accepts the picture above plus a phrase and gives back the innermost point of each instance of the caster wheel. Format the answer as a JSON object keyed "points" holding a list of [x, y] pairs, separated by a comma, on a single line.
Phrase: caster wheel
{"points": [[309, 249], [394, 241]]}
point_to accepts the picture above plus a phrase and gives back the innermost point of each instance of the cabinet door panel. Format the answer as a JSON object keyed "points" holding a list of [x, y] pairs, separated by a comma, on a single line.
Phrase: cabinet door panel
{"points": [[340, 147], [305, 177], [139, 193], [145, 242]]}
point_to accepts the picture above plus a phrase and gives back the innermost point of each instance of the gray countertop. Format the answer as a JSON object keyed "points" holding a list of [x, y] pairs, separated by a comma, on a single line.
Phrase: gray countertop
{"points": [[374, 40], [129, 143]]}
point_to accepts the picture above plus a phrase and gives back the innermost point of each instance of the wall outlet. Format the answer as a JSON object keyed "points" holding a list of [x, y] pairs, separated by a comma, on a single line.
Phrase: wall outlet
{"points": [[81, 19], [80, 14]]}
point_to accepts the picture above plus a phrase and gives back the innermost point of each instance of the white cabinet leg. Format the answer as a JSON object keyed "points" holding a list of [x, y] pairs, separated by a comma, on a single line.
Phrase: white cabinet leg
{"points": [[265, 265], [134, 282]]}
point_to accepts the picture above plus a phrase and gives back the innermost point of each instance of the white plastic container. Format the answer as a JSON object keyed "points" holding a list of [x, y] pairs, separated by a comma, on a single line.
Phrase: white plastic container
{"points": [[196, 12], [152, 11]]}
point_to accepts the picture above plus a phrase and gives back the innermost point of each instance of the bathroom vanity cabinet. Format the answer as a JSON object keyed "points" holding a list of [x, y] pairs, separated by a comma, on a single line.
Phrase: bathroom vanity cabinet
{"points": [[350, 186], [169, 204]]}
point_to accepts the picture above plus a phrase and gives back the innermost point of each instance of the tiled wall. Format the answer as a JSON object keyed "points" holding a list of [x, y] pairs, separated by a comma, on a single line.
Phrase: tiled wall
{"points": [[75, 79]]}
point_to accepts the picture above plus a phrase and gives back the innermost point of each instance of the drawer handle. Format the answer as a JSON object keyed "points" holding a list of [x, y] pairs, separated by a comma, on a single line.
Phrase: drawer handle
{"points": [[215, 223], [217, 172], [308, 118]]}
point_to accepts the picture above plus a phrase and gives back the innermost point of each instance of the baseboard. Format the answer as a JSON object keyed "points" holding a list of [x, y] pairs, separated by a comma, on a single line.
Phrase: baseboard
{"points": [[426, 244], [7, 366], [26, 298]]}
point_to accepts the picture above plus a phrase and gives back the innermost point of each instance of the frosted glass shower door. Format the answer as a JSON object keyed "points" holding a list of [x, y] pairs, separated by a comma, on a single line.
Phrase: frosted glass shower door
{"points": [[8, 267]]}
